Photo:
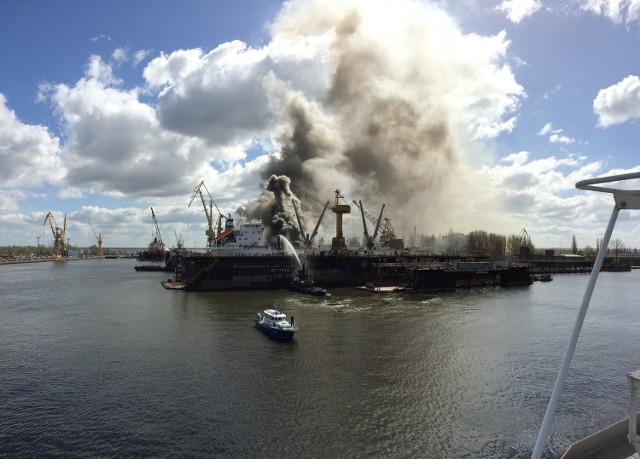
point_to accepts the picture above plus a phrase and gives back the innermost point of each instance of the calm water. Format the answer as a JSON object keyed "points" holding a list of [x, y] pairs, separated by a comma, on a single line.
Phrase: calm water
{"points": [[99, 360]]}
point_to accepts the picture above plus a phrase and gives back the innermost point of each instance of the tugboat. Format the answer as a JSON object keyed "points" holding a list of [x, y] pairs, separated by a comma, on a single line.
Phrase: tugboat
{"points": [[274, 323], [303, 284]]}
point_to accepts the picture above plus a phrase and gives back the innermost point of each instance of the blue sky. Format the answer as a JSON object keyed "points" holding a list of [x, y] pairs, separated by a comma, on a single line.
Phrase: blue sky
{"points": [[458, 115]]}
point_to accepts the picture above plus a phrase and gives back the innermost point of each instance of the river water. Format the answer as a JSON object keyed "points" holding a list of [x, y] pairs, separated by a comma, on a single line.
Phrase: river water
{"points": [[97, 359]]}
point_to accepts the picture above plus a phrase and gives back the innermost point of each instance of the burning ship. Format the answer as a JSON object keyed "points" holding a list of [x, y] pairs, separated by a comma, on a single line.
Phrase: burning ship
{"points": [[239, 258]]}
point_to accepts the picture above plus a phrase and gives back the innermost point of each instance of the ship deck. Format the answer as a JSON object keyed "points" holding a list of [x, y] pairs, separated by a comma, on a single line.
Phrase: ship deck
{"points": [[609, 443]]}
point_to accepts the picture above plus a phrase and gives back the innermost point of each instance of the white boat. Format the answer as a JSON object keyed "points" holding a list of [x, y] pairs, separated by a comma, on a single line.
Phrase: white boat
{"points": [[274, 324]]}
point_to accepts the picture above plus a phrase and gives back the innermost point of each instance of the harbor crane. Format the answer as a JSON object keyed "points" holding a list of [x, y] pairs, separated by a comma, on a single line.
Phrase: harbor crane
{"points": [[369, 240], [59, 236], [179, 241], [307, 240], [338, 242], [157, 238], [98, 239], [524, 251], [211, 235], [387, 233]]}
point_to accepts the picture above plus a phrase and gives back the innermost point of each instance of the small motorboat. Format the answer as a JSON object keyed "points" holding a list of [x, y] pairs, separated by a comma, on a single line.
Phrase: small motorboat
{"points": [[274, 323]]}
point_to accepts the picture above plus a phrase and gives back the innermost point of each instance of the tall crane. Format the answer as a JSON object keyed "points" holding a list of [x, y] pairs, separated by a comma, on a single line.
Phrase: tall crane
{"points": [[59, 236], [370, 240], [524, 251], [211, 235], [387, 233], [307, 240], [98, 239], [338, 242]]}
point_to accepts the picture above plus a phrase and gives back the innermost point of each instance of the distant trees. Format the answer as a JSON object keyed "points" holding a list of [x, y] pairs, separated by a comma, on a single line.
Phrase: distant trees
{"points": [[483, 243], [513, 245], [588, 251], [617, 247], [516, 242], [574, 245]]}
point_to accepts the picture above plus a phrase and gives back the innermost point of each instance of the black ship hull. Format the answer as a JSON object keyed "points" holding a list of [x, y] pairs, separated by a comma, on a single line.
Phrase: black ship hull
{"points": [[273, 272]]}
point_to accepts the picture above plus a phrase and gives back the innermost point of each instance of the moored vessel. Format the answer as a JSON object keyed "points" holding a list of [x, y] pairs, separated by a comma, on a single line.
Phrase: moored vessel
{"points": [[302, 284], [308, 287], [156, 251]]}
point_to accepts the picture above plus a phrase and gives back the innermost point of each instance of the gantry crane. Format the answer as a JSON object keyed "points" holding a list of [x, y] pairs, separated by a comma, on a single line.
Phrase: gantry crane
{"points": [[369, 240], [59, 236], [211, 235], [98, 239], [338, 242]]}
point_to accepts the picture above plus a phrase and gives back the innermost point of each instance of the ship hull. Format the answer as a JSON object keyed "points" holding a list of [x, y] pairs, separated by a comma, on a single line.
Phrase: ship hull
{"points": [[220, 273], [212, 273]]}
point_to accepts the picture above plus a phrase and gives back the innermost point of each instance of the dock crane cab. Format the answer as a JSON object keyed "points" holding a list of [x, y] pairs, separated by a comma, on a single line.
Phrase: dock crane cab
{"points": [[59, 235]]}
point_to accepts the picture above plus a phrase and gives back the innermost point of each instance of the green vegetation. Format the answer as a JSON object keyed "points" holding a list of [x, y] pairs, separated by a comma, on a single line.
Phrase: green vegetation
{"points": [[36, 252]]}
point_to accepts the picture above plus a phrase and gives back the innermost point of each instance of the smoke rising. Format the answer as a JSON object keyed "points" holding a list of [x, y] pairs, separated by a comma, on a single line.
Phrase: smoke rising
{"points": [[405, 89], [275, 209]]}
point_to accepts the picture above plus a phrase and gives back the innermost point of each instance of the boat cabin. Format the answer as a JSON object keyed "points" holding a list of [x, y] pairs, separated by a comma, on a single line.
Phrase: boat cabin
{"points": [[276, 318]]}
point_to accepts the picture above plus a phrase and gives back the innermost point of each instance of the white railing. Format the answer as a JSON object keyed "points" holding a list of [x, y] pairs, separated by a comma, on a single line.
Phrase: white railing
{"points": [[634, 381], [624, 199]]}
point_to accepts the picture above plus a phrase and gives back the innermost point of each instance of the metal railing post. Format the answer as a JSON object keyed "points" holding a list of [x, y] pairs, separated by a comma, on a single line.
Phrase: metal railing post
{"points": [[564, 368]]}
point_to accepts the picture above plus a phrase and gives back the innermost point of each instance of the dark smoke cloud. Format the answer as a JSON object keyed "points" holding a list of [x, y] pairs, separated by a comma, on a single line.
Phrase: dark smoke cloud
{"points": [[391, 146], [274, 208], [398, 111]]}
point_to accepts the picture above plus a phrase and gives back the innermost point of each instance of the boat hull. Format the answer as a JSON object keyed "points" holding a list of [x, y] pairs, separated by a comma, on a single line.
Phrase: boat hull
{"points": [[281, 334], [307, 289]]}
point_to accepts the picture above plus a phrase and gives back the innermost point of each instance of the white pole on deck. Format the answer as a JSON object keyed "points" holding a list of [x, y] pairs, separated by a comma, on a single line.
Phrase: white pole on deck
{"points": [[564, 368]]}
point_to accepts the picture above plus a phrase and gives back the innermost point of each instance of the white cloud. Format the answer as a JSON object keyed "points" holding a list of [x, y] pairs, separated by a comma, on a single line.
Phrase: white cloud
{"points": [[546, 129], [29, 155], [517, 10], [139, 56], [115, 143], [554, 134], [101, 37], [617, 11], [556, 138], [119, 55], [618, 103]]}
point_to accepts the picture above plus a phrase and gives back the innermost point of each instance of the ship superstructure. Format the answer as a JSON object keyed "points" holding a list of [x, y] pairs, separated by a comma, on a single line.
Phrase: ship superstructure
{"points": [[245, 239]]}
